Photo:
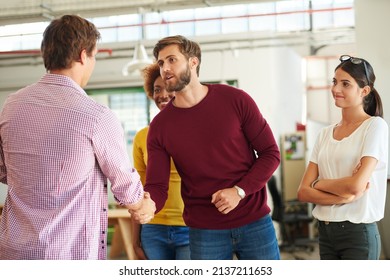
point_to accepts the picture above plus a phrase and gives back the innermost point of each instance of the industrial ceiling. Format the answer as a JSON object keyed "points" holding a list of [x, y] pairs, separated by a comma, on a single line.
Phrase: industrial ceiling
{"points": [[22, 11]]}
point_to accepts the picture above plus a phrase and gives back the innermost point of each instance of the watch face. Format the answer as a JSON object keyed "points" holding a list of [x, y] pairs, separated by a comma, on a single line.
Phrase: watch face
{"points": [[240, 192]]}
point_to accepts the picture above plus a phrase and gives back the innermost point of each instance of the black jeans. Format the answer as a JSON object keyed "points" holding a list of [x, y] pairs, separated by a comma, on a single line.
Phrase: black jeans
{"points": [[348, 241]]}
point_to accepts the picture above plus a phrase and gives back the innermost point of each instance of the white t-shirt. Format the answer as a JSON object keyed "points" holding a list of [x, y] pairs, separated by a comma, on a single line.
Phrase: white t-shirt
{"points": [[337, 159]]}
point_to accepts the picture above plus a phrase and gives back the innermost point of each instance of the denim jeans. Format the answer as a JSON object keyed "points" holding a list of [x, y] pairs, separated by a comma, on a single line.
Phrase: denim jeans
{"points": [[161, 242], [254, 241], [348, 241]]}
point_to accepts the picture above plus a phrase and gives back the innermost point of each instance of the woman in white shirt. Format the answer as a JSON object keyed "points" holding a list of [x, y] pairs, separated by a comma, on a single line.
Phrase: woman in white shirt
{"points": [[346, 177]]}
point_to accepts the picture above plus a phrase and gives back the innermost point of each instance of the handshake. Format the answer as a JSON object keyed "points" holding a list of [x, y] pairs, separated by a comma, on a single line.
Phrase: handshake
{"points": [[143, 211]]}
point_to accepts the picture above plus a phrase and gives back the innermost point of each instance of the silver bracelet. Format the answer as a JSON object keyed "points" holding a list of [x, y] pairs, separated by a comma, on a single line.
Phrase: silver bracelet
{"points": [[312, 185]]}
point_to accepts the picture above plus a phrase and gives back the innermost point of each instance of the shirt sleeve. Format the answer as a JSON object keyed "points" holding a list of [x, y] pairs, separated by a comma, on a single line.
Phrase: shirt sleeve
{"points": [[376, 141], [110, 151]]}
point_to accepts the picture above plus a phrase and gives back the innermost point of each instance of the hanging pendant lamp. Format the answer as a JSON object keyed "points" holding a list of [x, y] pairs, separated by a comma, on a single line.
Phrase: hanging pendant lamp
{"points": [[139, 62]]}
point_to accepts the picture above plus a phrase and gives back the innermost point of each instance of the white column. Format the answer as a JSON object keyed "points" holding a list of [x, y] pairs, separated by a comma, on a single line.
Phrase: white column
{"points": [[373, 44]]}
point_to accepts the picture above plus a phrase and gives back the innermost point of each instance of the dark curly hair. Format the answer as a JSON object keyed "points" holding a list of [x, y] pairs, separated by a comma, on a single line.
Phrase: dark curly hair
{"points": [[150, 74]]}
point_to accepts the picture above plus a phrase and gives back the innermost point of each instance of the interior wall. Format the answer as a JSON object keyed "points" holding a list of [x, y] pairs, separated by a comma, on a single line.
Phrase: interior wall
{"points": [[373, 44]]}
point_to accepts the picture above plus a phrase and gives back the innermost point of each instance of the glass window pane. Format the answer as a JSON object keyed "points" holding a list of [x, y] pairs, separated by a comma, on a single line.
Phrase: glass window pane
{"points": [[322, 19], [207, 13], [127, 19], [22, 36], [207, 27], [156, 31], [234, 10], [234, 19], [335, 18], [234, 25], [108, 35], [185, 29], [30, 42], [154, 26], [262, 17], [181, 22], [289, 19], [207, 21], [130, 106], [344, 17], [119, 28], [9, 43], [133, 33], [24, 28]]}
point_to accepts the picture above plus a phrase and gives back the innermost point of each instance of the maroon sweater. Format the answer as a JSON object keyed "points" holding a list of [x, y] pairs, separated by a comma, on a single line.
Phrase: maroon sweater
{"points": [[214, 146]]}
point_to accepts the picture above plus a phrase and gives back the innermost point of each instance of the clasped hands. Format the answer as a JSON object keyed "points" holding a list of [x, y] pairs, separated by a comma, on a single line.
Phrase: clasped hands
{"points": [[143, 212]]}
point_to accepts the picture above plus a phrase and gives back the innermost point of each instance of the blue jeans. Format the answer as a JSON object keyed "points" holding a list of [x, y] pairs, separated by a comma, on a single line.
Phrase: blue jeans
{"points": [[348, 241], [161, 242], [254, 241]]}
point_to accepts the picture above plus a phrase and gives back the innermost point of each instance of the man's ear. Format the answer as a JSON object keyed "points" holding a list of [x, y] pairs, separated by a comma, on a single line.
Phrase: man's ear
{"points": [[83, 56], [194, 61]]}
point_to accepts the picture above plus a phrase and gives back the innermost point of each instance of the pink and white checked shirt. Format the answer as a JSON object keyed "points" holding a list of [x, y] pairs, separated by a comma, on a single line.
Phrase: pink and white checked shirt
{"points": [[57, 149]]}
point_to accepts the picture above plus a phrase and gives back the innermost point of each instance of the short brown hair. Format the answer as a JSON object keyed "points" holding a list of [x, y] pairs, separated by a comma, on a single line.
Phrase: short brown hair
{"points": [[65, 38], [187, 47], [150, 73]]}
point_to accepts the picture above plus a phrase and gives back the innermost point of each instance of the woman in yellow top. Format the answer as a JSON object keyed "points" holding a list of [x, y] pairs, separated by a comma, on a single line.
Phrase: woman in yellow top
{"points": [[166, 236]]}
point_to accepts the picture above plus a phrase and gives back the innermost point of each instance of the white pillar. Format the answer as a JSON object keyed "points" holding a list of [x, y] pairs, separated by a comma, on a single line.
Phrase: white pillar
{"points": [[373, 44]]}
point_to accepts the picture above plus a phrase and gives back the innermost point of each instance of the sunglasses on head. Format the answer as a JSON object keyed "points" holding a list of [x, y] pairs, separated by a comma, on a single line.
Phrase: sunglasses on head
{"points": [[356, 61]]}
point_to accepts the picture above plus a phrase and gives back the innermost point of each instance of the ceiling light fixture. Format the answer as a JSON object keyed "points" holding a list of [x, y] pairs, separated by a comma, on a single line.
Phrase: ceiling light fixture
{"points": [[139, 62]]}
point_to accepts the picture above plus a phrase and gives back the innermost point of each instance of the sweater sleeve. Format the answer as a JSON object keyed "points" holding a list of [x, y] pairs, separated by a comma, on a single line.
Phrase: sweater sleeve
{"points": [[157, 170], [262, 140]]}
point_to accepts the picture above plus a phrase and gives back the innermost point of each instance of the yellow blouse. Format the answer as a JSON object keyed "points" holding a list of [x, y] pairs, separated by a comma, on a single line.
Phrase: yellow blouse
{"points": [[171, 214]]}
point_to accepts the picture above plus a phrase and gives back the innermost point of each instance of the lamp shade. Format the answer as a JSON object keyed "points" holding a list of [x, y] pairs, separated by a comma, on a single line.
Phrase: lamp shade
{"points": [[140, 61]]}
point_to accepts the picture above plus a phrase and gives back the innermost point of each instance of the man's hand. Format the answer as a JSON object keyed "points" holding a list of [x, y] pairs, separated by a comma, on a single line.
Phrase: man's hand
{"points": [[143, 212], [225, 200]]}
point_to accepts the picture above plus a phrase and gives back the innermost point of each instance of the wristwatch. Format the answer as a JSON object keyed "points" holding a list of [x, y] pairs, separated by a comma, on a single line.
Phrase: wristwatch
{"points": [[240, 192]]}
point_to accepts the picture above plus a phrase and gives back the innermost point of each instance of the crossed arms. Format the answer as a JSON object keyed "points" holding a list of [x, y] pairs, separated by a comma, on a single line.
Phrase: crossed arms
{"points": [[336, 191]]}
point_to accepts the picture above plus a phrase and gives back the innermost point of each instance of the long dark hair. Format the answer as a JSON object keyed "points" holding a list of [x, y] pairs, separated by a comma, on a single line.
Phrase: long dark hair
{"points": [[363, 73]]}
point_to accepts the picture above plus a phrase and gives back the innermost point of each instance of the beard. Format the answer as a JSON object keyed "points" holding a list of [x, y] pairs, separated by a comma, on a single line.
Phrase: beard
{"points": [[183, 80]]}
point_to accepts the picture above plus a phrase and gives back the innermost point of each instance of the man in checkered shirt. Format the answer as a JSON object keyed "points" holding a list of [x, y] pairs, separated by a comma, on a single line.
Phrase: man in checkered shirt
{"points": [[58, 148]]}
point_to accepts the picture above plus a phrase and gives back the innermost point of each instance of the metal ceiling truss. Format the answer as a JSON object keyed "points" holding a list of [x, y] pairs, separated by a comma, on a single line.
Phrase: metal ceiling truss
{"points": [[24, 11]]}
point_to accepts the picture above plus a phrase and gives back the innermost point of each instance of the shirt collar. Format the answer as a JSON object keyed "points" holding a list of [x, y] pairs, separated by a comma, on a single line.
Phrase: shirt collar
{"points": [[61, 80]]}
